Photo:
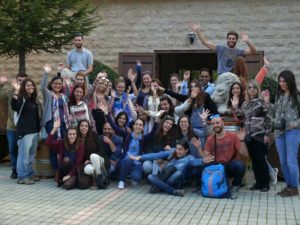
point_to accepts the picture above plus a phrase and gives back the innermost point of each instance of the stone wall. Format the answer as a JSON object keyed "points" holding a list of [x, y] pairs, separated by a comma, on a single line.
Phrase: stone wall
{"points": [[145, 26]]}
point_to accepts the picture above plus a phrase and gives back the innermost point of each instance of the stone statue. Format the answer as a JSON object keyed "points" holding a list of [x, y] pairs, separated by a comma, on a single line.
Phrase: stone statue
{"points": [[221, 92]]}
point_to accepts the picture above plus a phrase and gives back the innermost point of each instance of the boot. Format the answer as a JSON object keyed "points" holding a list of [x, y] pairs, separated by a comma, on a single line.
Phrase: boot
{"points": [[292, 191]]}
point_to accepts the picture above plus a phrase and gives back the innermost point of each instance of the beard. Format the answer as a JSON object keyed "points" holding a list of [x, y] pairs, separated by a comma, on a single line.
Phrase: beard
{"points": [[231, 44], [78, 45], [218, 130]]}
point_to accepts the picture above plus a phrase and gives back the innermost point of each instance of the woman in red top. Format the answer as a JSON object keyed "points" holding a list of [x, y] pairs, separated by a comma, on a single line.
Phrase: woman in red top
{"points": [[71, 155]]}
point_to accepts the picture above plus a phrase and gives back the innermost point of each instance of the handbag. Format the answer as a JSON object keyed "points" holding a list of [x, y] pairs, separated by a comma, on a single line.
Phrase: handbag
{"points": [[166, 172], [102, 180]]}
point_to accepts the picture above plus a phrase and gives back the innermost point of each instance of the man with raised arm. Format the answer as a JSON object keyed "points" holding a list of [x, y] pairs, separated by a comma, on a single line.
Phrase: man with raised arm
{"points": [[226, 54]]}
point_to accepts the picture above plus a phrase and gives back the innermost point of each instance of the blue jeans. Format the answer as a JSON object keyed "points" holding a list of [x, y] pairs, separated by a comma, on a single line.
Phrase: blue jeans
{"points": [[175, 181], [133, 167], [235, 169], [287, 146], [53, 154], [13, 147], [27, 149]]}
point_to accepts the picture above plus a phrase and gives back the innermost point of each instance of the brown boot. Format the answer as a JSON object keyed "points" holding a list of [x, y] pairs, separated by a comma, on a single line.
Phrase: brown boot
{"points": [[282, 191], [291, 192]]}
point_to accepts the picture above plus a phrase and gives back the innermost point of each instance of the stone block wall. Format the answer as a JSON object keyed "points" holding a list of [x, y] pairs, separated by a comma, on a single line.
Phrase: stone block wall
{"points": [[145, 26]]}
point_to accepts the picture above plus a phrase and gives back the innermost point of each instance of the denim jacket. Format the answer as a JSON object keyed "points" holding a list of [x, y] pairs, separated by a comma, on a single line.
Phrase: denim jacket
{"points": [[181, 164]]}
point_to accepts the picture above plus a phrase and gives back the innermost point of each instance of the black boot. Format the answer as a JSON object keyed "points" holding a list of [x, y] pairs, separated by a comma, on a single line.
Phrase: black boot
{"points": [[14, 174]]}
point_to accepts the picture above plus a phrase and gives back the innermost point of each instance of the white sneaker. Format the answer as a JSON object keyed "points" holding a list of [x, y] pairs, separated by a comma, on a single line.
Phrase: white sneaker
{"points": [[121, 185], [273, 176]]}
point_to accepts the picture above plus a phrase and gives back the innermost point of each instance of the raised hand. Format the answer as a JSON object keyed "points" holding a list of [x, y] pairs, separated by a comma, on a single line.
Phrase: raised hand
{"points": [[244, 37], [139, 109], [47, 68], [209, 158], [56, 124], [3, 78], [266, 96], [195, 27], [131, 75], [266, 61], [235, 101], [103, 107], [67, 81], [113, 93], [196, 142], [60, 66], [100, 75], [204, 115], [15, 85]]}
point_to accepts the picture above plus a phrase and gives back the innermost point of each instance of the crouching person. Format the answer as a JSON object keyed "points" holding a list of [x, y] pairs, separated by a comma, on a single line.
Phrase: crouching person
{"points": [[172, 176], [95, 159], [224, 146], [71, 155]]}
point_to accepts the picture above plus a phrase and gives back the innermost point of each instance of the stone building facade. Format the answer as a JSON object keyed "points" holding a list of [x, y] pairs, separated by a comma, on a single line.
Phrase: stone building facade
{"points": [[145, 26]]}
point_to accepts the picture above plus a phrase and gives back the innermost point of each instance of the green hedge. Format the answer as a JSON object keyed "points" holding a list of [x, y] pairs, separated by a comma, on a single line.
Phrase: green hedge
{"points": [[98, 67], [269, 83]]}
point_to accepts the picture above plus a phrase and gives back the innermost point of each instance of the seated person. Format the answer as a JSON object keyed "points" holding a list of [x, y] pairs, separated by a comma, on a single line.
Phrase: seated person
{"points": [[180, 160], [71, 155], [225, 145], [112, 146]]}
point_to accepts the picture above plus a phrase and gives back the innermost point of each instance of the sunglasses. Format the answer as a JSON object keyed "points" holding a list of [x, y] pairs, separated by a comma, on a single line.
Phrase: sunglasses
{"points": [[214, 116], [252, 87]]}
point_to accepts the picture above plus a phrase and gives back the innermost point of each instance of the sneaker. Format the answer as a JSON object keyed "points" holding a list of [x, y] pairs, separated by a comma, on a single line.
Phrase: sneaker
{"points": [[134, 183], [21, 181], [153, 189], [265, 189], [28, 181], [254, 188], [121, 185], [178, 192], [282, 191], [35, 178], [290, 192], [235, 192], [14, 174], [273, 176]]}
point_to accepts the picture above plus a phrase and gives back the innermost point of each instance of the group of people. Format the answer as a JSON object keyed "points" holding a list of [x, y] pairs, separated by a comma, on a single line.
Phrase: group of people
{"points": [[134, 127]]}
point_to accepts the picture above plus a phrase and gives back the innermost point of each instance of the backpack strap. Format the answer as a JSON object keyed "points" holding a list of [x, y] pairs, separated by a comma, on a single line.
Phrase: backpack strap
{"points": [[21, 109]]}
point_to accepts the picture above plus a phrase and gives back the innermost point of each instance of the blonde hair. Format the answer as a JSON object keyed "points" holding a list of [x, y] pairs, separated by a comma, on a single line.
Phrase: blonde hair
{"points": [[255, 84]]}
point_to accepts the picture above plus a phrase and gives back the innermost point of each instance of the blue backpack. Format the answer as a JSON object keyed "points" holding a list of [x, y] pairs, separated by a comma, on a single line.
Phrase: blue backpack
{"points": [[214, 180]]}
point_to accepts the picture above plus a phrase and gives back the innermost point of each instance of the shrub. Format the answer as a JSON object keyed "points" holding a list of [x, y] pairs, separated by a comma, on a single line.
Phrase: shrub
{"points": [[98, 67]]}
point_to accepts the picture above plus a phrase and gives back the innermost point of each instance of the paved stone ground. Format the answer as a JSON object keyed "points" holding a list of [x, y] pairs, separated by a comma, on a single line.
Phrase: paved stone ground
{"points": [[44, 203]]}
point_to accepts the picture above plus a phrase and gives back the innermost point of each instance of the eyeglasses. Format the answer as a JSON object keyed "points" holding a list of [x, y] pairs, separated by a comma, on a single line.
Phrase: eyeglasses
{"points": [[252, 87], [214, 116]]}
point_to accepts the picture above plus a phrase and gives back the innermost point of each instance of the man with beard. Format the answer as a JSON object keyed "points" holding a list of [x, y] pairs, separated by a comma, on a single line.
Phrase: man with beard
{"points": [[225, 145], [112, 145], [226, 54], [80, 59]]}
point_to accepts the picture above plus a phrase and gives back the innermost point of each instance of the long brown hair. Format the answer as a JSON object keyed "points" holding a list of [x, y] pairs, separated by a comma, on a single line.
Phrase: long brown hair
{"points": [[199, 100], [72, 147], [240, 68], [167, 139], [23, 93]]}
